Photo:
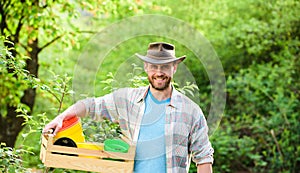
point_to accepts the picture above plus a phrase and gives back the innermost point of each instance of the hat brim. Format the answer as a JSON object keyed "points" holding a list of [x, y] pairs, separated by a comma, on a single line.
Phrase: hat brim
{"points": [[154, 61]]}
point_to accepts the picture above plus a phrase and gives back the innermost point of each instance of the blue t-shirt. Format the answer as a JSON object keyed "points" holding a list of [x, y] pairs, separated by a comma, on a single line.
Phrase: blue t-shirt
{"points": [[151, 148]]}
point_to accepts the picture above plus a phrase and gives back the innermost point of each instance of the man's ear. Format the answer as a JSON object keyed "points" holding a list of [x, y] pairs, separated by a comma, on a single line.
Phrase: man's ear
{"points": [[145, 67], [175, 67]]}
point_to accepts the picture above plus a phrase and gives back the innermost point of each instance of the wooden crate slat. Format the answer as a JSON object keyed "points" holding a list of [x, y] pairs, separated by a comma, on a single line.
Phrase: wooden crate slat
{"points": [[88, 152], [88, 164], [42, 153], [77, 151], [85, 159], [126, 156], [44, 140]]}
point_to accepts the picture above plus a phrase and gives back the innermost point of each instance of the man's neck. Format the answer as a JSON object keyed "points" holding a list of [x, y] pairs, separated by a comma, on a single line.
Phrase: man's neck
{"points": [[161, 94]]}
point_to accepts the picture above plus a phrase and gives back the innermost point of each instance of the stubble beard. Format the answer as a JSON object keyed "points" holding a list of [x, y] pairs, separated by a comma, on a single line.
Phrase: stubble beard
{"points": [[160, 88]]}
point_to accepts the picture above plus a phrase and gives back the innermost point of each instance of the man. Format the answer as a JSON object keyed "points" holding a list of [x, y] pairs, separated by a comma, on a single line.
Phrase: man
{"points": [[166, 126]]}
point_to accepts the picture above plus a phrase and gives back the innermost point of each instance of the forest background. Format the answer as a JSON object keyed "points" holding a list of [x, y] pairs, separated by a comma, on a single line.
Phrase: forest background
{"points": [[256, 41]]}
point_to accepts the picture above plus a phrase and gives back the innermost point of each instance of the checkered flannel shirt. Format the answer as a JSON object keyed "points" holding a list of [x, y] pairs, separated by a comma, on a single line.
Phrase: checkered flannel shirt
{"points": [[186, 130]]}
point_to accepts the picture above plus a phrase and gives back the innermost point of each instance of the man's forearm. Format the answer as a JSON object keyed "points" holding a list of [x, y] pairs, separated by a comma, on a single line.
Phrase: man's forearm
{"points": [[204, 168], [79, 109]]}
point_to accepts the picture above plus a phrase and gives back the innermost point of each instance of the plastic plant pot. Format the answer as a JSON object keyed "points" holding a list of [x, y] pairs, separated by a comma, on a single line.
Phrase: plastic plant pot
{"points": [[116, 145], [72, 129], [67, 142]]}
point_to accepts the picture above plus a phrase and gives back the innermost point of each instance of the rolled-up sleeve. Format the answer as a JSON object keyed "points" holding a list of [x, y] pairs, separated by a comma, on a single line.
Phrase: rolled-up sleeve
{"points": [[89, 104], [100, 107], [200, 146]]}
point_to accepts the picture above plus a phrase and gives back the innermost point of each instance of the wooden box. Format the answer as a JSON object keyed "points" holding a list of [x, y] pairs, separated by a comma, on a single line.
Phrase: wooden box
{"points": [[56, 156]]}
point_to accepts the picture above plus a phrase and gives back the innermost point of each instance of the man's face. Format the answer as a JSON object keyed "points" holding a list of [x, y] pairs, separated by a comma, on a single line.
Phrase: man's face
{"points": [[160, 75]]}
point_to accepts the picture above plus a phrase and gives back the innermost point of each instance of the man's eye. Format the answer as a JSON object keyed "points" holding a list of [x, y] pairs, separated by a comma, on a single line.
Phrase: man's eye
{"points": [[166, 67]]}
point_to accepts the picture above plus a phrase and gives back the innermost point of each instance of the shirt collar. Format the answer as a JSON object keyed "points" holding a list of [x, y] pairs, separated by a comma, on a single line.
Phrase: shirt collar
{"points": [[174, 96], [142, 94]]}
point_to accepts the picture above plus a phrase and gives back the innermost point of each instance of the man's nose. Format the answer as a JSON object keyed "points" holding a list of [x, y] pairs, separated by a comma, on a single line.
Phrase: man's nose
{"points": [[160, 70]]}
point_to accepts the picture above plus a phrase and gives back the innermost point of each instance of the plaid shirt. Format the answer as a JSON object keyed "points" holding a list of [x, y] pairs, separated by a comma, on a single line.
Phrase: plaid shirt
{"points": [[186, 131]]}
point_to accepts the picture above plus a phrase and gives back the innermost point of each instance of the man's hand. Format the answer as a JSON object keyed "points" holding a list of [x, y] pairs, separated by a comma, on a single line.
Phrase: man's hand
{"points": [[204, 168], [78, 109], [54, 125]]}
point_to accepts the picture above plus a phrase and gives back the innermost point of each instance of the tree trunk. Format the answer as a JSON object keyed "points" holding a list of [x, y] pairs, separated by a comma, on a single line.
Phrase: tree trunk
{"points": [[11, 125]]}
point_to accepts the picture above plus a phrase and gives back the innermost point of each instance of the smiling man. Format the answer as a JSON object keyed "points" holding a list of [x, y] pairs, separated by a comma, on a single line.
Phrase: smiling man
{"points": [[158, 75], [168, 128]]}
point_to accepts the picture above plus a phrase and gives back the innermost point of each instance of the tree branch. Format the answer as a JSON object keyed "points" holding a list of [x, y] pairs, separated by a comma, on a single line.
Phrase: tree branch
{"points": [[55, 96], [277, 144], [25, 47], [5, 5], [62, 98], [44, 6], [58, 37], [49, 43], [3, 24], [89, 32], [18, 29]]}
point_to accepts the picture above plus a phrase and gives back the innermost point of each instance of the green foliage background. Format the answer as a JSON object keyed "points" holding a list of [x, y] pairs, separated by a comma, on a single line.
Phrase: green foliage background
{"points": [[257, 42]]}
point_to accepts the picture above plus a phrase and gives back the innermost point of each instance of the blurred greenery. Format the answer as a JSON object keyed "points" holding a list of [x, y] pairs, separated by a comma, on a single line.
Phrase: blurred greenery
{"points": [[10, 159], [257, 42]]}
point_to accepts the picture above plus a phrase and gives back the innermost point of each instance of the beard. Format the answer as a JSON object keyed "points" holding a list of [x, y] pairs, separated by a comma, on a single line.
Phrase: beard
{"points": [[161, 86]]}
